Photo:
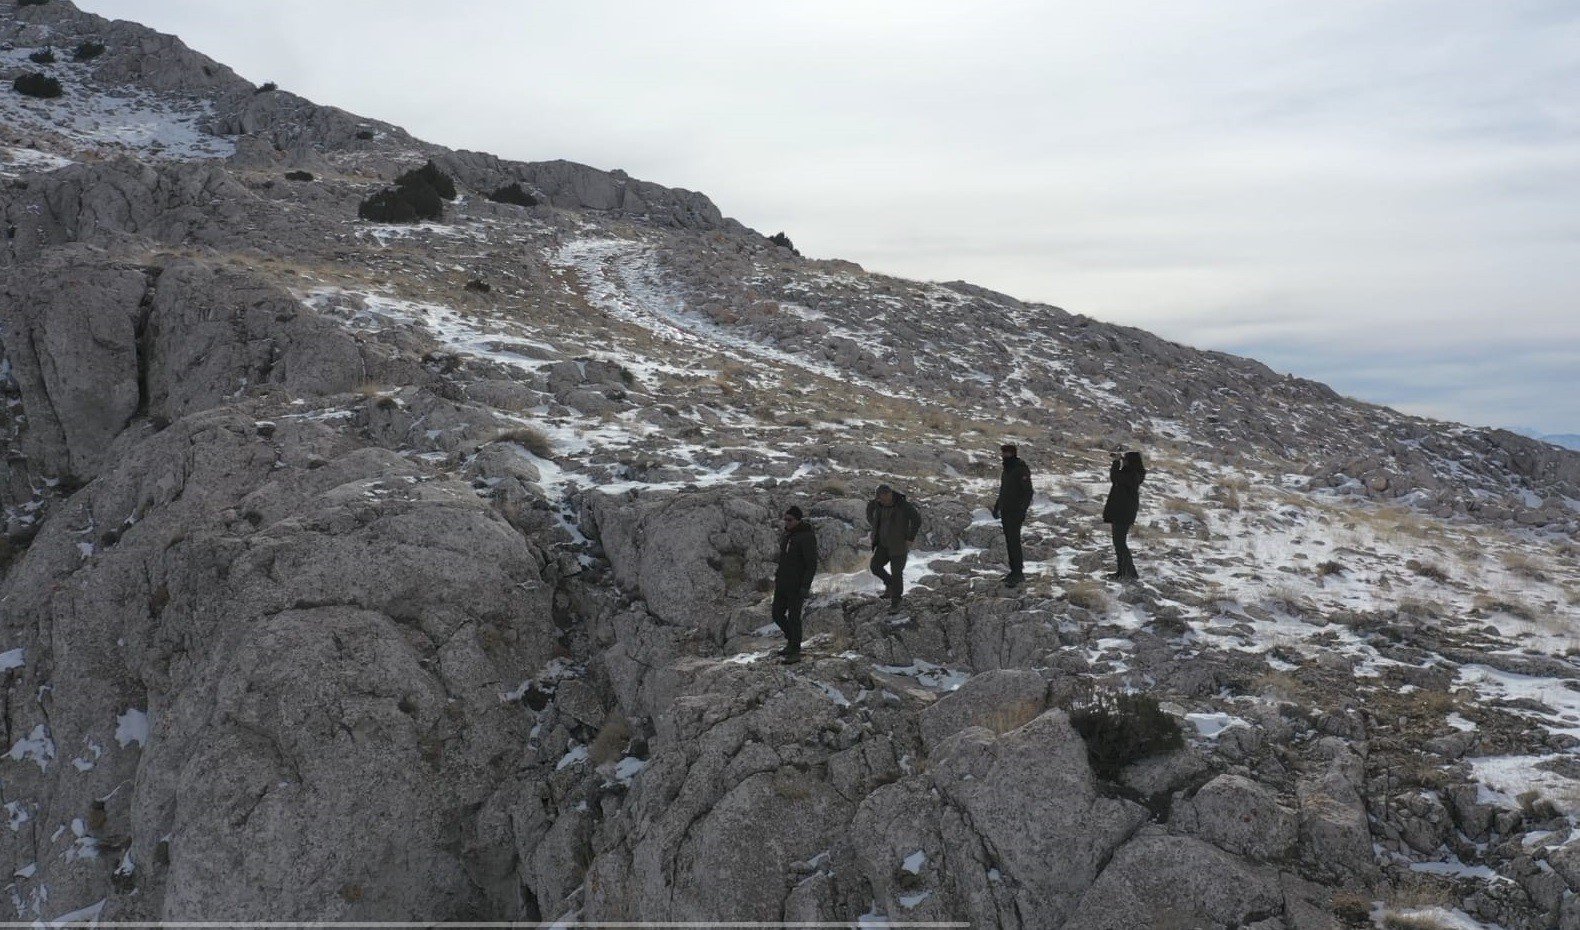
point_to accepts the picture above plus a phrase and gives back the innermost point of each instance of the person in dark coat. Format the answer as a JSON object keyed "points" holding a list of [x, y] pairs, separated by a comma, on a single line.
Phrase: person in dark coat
{"points": [[1124, 502], [895, 522], [793, 580], [1014, 499]]}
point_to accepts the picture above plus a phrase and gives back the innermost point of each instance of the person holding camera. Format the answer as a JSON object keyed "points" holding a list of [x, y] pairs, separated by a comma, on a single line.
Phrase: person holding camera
{"points": [[1125, 473], [1014, 499]]}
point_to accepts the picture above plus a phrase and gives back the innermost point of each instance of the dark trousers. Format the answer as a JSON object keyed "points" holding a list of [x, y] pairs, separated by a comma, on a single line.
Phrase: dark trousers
{"points": [[787, 616], [1017, 558], [1127, 565], [894, 578]]}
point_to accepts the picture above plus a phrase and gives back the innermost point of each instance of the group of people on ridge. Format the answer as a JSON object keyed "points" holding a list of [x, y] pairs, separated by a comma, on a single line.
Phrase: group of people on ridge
{"points": [[895, 521]]}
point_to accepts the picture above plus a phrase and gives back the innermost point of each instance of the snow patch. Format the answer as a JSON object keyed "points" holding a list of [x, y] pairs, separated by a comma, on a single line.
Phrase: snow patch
{"points": [[132, 727]]}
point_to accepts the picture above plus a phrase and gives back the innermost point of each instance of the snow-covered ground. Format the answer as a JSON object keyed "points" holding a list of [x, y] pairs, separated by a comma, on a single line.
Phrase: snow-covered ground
{"points": [[104, 122]]}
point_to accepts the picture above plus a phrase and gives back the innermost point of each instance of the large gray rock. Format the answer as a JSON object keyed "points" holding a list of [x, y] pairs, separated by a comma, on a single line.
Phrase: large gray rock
{"points": [[71, 337], [1029, 796], [999, 700], [1239, 816], [691, 557], [317, 652], [1335, 836], [1177, 881]]}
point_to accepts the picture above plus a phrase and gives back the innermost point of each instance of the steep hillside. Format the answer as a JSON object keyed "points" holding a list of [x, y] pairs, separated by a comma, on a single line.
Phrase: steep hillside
{"points": [[419, 572]]}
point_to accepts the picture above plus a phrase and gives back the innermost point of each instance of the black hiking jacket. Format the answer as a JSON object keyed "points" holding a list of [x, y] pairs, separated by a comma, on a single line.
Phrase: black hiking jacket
{"points": [[797, 559], [1014, 491], [1124, 498], [895, 529]]}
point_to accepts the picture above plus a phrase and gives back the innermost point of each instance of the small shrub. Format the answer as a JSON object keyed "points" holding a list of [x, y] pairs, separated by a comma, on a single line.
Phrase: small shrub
{"points": [[34, 84], [44, 56], [266, 87], [478, 286], [1330, 567], [1419, 607], [1193, 510], [1285, 598], [1524, 565], [783, 241], [31, 2], [1087, 594], [1503, 604], [610, 743], [528, 438], [432, 177], [418, 194], [513, 193], [1428, 571], [1352, 908], [299, 176], [87, 50], [388, 206], [1121, 728], [1010, 716], [409, 204], [365, 135]]}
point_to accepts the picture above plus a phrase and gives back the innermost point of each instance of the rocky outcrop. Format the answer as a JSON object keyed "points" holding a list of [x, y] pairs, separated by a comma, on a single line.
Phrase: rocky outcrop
{"points": [[358, 571], [284, 681]]}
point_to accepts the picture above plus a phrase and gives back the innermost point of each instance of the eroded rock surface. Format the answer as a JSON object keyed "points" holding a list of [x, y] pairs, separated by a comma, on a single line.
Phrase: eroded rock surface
{"points": [[421, 573]]}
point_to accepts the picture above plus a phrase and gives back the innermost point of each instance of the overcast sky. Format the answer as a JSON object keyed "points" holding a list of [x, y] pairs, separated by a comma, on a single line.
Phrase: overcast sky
{"points": [[1381, 195]]}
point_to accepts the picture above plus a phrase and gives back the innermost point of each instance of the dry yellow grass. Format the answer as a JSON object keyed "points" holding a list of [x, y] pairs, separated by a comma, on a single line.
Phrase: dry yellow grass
{"points": [[1503, 603], [1189, 508], [609, 745], [527, 438], [1088, 594], [1525, 565]]}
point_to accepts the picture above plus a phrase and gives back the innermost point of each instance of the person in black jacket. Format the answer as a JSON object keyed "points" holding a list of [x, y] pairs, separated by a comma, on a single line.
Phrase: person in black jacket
{"points": [[1124, 502], [793, 580], [1014, 499], [895, 522]]}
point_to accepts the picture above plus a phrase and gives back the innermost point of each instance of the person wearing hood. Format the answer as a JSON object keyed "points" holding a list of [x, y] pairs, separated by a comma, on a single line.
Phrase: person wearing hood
{"points": [[793, 580], [895, 522], [1124, 501], [1014, 499]]}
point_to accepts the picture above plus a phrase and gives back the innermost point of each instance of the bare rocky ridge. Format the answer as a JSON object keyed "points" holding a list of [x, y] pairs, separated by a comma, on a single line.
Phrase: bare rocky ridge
{"points": [[356, 571]]}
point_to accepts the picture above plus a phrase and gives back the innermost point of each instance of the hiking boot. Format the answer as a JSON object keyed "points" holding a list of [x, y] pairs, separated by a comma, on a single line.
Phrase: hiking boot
{"points": [[1115, 576], [1013, 581], [895, 606], [790, 658]]}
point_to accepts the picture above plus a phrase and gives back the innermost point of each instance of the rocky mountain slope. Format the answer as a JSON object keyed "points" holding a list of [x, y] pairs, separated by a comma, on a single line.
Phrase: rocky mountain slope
{"points": [[356, 571]]}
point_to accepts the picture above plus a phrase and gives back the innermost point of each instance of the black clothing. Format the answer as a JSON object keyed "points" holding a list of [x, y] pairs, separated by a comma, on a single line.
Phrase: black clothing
{"points": [[894, 527], [894, 578], [1014, 499], [787, 616], [1017, 559], [797, 560], [1127, 565], [1014, 491], [1124, 498]]}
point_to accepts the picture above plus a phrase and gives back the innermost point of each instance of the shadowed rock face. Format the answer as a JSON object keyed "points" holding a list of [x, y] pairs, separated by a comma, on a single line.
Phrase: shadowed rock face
{"points": [[335, 586]]}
